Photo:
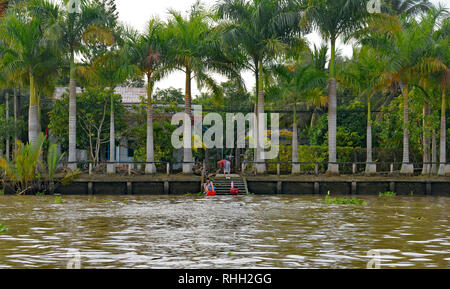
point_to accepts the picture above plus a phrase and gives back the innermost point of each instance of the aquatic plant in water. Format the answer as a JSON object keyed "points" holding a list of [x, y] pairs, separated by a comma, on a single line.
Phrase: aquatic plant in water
{"points": [[197, 194], [3, 228], [55, 200], [387, 194], [343, 201]]}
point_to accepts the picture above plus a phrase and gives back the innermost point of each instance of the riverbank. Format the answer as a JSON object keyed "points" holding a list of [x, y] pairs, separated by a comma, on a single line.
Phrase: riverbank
{"points": [[266, 184]]}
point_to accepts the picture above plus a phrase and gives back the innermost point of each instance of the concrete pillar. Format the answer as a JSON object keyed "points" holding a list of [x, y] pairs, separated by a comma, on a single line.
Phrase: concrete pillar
{"points": [[407, 169], [166, 187], [392, 186], [354, 168], [129, 188], [90, 188], [316, 169], [391, 169], [316, 188], [428, 188], [354, 187], [90, 168], [278, 169], [279, 187], [110, 168], [168, 168]]}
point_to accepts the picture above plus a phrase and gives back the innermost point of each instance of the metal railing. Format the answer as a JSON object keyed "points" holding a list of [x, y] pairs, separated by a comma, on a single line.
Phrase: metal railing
{"points": [[248, 168]]}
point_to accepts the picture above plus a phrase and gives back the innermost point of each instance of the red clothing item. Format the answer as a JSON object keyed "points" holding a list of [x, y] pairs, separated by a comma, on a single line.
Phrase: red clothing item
{"points": [[221, 163]]}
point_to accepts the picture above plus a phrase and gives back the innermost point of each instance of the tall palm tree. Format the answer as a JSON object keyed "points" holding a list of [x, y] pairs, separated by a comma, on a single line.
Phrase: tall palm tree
{"points": [[262, 30], [194, 48], [71, 30], [407, 57], [363, 74], [333, 19], [297, 82], [145, 51], [408, 7], [29, 53]]}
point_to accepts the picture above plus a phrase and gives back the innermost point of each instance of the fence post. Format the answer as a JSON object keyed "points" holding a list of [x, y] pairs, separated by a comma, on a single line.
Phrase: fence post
{"points": [[242, 168], [354, 168], [129, 169], [391, 168], [168, 168], [90, 168], [316, 169], [278, 169]]}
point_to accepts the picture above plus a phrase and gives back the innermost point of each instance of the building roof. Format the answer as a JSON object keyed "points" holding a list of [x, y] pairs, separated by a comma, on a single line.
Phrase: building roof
{"points": [[130, 95]]}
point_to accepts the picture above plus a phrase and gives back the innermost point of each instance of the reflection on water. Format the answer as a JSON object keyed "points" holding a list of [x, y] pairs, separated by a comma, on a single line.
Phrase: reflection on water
{"points": [[224, 232]]}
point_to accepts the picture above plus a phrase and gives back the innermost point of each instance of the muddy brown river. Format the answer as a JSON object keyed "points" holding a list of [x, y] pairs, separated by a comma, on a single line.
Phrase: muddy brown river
{"points": [[224, 232]]}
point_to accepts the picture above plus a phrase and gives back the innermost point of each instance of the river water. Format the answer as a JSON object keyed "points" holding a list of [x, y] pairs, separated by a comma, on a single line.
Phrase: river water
{"points": [[224, 232]]}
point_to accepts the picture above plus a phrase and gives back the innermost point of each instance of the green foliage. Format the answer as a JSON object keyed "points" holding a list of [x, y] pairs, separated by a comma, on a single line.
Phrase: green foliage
{"points": [[390, 127], [343, 201], [387, 194], [22, 170], [200, 194], [3, 228], [351, 128], [28, 173], [7, 128], [162, 129], [56, 200], [53, 159], [93, 119]]}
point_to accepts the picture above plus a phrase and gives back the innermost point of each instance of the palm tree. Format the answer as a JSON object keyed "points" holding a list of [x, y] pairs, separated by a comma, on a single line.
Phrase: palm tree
{"points": [[334, 18], [29, 53], [408, 7], [145, 52], [193, 47], [364, 76], [71, 30], [298, 82], [262, 30], [407, 57]]}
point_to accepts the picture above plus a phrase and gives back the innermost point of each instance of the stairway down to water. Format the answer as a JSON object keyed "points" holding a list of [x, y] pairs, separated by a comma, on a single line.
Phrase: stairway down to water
{"points": [[223, 184]]}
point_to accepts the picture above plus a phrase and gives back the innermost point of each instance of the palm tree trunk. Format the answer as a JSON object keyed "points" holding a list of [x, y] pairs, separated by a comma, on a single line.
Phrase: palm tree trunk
{"points": [[33, 112], [7, 119], [295, 165], [425, 141], [433, 153], [442, 142], [150, 167], [72, 158], [16, 106], [333, 167], [371, 168], [407, 168], [112, 141], [187, 151], [260, 164]]}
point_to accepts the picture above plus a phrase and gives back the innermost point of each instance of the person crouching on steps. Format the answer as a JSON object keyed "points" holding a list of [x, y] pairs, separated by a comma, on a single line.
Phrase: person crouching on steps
{"points": [[208, 186]]}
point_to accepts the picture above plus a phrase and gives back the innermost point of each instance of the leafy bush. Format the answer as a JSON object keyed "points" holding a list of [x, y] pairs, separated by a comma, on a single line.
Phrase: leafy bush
{"points": [[24, 171]]}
